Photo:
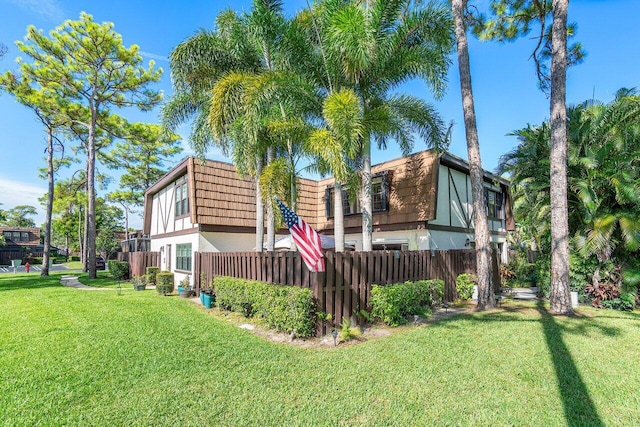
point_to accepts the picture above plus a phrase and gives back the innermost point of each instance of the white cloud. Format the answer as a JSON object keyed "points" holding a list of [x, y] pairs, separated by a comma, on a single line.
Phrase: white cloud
{"points": [[154, 56], [49, 9], [16, 193]]}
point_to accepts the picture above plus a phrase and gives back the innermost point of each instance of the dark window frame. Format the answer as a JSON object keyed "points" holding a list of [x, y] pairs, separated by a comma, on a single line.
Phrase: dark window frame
{"points": [[494, 204], [181, 192], [183, 257], [379, 197]]}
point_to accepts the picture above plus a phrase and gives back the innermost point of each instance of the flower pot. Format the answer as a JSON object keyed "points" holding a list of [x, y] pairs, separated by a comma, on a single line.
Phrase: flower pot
{"points": [[207, 300], [184, 293]]}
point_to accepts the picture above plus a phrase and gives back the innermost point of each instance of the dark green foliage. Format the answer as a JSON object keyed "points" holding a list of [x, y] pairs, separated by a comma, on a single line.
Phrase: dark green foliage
{"points": [[464, 285], [284, 308], [32, 260], [625, 302], [392, 303], [119, 269], [151, 274], [164, 282]]}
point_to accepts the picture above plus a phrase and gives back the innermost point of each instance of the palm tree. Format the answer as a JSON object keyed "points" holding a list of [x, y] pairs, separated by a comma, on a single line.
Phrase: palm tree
{"points": [[378, 45], [603, 177], [196, 65]]}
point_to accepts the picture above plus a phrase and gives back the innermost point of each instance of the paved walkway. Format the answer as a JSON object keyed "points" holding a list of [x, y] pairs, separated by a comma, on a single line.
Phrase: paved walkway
{"points": [[525, 293], [72, 282]]}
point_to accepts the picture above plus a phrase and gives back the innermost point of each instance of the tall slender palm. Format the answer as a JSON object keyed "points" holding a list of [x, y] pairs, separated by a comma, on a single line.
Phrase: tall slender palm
{"points": [[196, 65], [378, 45]]}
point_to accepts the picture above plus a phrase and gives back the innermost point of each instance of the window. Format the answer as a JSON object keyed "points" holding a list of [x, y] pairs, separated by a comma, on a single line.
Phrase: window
{"points": [[16, 236], [7, 235], [24, 236], [182, 198], [494, 203], [183, 257], [379, 197]]}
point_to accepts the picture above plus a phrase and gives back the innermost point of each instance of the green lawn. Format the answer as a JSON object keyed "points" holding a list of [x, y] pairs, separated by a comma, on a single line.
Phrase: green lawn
{"points": [[72, 357]]}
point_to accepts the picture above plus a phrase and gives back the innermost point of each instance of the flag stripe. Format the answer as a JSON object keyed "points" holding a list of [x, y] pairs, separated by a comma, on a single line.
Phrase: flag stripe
{"points": [[306, 239]]}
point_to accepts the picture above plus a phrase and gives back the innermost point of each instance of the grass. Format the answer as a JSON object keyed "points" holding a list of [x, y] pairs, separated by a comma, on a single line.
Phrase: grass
{"points": [[72, 357]]}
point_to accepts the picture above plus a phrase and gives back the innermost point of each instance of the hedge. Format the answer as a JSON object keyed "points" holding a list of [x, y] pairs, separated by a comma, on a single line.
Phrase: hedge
{"points": [[392, 303], [283, 308], [119, 269], [151, 274], [164, 282]]}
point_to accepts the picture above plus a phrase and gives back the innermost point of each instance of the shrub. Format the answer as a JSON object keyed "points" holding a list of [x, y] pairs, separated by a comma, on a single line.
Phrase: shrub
{"points": [[151, 274], [119, 269], [164, 282], [392, 303], [624, 303], [284, 308], [601, 292], [139, 282], [464, 285]]}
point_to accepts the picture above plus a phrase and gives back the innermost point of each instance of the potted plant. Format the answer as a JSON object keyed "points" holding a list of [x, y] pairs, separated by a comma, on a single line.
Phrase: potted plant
{"points": [[207, 294], [139, 283], [184, 289]]}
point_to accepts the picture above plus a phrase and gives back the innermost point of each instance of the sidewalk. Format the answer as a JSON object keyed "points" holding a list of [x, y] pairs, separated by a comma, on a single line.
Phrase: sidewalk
{"points": [[72, 282]]}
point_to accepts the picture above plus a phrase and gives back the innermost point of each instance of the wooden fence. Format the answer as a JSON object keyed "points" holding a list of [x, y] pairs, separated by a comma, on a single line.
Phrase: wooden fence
{"points": [[139, 261], [346, 285], [7, 255]]}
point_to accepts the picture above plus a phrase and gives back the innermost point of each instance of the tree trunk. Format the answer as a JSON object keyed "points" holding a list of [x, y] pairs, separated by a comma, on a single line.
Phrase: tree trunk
{"points": [[91, 195], [560, 297], [486, 297], [271, 224], [259, 207], [365, 198], [338, 218], [47, 221]]}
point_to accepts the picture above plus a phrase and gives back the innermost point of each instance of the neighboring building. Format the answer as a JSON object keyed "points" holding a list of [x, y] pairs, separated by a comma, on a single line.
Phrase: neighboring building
{"points": [[421, 202], [19, 240]]}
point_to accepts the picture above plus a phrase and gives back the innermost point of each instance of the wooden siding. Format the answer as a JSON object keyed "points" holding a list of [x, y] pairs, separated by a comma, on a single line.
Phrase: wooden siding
{"points": [[412, 193], [34, 236]]}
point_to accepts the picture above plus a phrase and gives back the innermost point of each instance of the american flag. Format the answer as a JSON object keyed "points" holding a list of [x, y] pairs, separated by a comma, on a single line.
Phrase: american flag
{"points": [[306, 238]]}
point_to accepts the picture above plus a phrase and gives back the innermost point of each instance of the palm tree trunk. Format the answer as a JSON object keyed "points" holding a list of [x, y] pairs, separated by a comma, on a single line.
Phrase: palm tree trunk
{"points": [[560, 297], [47, 221], [338, 218], [486, 296], [271, 224], [259, 207], [365, 197]]}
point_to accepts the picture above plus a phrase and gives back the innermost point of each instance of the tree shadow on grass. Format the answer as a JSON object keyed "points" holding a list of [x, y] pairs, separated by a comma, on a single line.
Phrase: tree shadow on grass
{"points": [[15, 282], [579, 409]]}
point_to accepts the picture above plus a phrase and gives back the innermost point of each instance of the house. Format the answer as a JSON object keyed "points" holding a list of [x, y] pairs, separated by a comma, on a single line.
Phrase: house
{"points": [[420, 202], [19, 240]]}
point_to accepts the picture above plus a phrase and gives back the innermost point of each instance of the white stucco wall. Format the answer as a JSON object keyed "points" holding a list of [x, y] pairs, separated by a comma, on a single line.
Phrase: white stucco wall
{"points": [[227, 242], [168, 244], [163, 218]]}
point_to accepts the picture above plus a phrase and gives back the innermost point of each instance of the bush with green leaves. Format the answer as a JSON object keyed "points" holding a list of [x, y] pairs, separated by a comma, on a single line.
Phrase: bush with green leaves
{"points": [[283, 308], [624, 302], [119, 269], [164, 282], [392, 303], [464, 285], [151, 274]]}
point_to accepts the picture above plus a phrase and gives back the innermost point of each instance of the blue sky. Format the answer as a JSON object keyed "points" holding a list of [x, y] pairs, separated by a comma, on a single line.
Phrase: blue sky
{"points": [[505, 87]]}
